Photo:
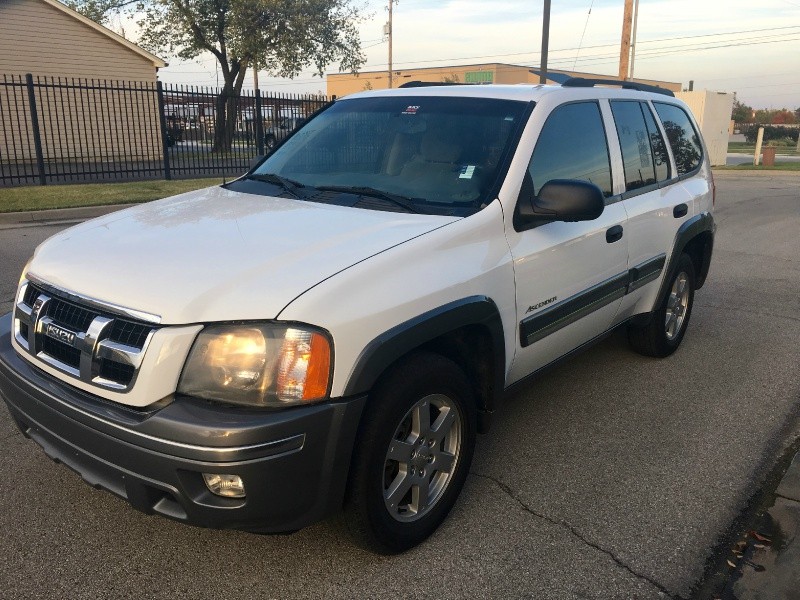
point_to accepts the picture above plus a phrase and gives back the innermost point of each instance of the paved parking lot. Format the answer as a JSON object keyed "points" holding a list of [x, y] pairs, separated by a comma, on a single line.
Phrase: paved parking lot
{"points": [[612, 476]]}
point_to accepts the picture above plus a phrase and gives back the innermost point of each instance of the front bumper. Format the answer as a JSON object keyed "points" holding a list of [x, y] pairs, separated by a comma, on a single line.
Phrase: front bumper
{"points": [[294, 462]]}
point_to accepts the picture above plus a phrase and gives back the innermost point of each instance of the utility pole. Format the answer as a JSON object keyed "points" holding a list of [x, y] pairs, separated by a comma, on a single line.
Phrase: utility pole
{"points": [[545, 41], [389, 33], [625, 47], [633, 44]]}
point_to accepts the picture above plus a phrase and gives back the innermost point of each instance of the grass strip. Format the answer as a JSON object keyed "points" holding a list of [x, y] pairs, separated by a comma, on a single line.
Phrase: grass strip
{"points": [[780, 166], [43, 197]]}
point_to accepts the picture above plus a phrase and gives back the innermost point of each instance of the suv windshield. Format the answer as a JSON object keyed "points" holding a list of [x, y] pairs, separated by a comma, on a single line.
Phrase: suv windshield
{"points": [[437, 154]]}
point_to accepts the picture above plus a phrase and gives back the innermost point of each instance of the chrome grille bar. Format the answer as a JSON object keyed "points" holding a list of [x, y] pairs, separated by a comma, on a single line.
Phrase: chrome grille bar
{"points": [[92, 355]]}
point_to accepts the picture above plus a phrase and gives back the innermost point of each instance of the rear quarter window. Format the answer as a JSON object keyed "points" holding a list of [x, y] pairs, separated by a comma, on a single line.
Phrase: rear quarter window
{"points": [[683, 137]]}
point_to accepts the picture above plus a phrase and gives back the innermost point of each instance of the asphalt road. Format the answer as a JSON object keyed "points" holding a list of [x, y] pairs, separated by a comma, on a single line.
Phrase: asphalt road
{"points": [[612, 476]]}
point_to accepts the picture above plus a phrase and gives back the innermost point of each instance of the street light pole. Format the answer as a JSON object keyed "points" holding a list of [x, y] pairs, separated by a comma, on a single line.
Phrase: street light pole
{"points": [[545, 41], [633, 43]]}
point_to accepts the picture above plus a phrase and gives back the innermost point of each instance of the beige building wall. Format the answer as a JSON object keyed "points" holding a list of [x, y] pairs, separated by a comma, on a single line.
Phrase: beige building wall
{"points": [[342, 84], [712, 110], [58, 47], [38, 38]]}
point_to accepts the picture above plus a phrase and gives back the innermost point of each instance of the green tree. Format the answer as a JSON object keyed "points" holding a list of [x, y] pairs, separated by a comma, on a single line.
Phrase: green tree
{"points": [[96, 10], [741, 112], [282, 37]]}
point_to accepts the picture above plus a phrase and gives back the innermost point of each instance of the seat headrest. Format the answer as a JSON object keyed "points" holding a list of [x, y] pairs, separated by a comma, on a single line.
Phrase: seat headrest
{"points": [[434, 148]]}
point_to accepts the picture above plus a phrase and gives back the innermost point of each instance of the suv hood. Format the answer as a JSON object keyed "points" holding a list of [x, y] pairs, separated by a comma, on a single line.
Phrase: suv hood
{"points": [[218, 255]]}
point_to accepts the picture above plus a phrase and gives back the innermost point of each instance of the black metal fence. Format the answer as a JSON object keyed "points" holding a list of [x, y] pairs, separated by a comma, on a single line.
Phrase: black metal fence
{"points": [[60, 130]]}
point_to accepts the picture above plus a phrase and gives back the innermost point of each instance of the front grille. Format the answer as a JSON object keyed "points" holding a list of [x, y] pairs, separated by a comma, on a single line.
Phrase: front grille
{"points": [[59, 330], [61, 352], [129, 333], [30, 295], [114, 371], [69, 315]]}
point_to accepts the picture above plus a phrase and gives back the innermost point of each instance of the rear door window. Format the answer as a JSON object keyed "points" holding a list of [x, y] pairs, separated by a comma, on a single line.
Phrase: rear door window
{"points": [[682, 136], [634, 141], [657, 145]]}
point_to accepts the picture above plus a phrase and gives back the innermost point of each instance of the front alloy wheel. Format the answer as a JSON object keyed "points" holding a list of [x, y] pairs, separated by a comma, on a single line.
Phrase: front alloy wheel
{"points": [[412, 453], [422, 457]]}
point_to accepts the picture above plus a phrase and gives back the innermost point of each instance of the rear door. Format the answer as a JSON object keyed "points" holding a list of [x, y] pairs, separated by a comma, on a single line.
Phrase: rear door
{"points": [[654, 198], [570, 277]]}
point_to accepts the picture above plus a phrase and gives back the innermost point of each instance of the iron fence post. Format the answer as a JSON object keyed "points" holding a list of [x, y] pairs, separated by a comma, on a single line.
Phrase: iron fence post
{"points": [[162, 118], [259, 122], [37, 138]]}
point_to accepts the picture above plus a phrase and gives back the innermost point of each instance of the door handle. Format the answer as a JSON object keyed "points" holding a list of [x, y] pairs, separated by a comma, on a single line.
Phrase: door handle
{"points": [[614, 234], [680, 211]]}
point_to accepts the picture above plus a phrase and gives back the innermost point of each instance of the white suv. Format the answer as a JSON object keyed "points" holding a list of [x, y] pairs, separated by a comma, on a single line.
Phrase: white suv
{"points": [[332, 329]]}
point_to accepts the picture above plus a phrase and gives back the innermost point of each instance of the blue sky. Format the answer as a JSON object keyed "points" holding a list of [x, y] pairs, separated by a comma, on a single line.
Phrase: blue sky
{"points": [[751, 47]]}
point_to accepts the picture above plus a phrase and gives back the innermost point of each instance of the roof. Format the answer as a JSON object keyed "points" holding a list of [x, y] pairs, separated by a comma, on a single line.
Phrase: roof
{"points": [[157, 62]]}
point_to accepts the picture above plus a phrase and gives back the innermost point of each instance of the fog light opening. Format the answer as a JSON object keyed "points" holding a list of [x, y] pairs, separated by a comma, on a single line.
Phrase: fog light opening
{"points": [[227, 486]]}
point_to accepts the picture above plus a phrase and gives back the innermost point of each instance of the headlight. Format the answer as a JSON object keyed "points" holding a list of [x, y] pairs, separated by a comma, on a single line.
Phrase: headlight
{"points": [[265, 365]]}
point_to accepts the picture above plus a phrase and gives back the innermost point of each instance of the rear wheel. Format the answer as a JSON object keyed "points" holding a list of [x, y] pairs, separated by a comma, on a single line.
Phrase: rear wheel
{"points": [[413, 454], [663, 334]]}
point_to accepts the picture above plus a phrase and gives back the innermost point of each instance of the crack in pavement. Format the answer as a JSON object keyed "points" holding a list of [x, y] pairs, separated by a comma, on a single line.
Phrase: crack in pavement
{"points": [[787, 498], [564, 524]]}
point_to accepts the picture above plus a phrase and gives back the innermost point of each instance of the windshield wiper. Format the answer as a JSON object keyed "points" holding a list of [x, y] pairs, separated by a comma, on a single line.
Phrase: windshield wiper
{"points": [[289, 185], [396, 199]]}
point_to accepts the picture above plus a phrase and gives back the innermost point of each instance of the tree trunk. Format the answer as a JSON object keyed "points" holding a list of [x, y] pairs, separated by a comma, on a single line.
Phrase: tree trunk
{"points": [[224, 119], [227, 107]]}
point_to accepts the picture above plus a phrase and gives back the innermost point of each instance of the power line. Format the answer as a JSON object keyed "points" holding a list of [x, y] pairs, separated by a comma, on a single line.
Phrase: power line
{"points": [[586, 48], [585, 25]]}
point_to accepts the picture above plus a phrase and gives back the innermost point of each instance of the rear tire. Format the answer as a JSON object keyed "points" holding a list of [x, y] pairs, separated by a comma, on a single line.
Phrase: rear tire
{"points": [[662, 335], [412, 455]]}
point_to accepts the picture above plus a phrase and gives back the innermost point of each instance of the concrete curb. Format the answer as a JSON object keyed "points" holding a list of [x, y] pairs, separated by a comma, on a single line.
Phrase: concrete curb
{"points": [[776, 572], [57, 215]]}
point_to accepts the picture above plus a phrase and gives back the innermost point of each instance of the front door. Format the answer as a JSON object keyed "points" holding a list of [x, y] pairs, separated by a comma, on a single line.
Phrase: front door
{"points": [[570, 277]]}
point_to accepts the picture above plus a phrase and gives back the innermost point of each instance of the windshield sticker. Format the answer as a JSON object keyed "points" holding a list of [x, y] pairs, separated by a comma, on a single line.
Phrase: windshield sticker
{"points": [[466, 172], [411, 110]]}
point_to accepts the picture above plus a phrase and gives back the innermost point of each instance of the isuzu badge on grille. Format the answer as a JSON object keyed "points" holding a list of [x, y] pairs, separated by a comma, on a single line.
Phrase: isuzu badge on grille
{"points": [[59, 333]]}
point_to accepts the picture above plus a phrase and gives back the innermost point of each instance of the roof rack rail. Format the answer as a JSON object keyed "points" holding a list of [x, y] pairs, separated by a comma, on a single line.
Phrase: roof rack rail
{"points": [[416, 84], [628, 85]]}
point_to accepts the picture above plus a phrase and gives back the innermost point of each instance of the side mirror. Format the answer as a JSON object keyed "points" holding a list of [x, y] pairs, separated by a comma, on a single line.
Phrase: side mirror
{"points": [[560, 200], [255, 160]]}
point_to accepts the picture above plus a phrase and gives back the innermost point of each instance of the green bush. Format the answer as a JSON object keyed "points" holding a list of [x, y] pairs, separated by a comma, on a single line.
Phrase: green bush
{"points": [[771, 134]]}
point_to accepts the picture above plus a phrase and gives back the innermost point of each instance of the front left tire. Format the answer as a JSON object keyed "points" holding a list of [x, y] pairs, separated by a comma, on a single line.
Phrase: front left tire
{"points": [[413, 454]]}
